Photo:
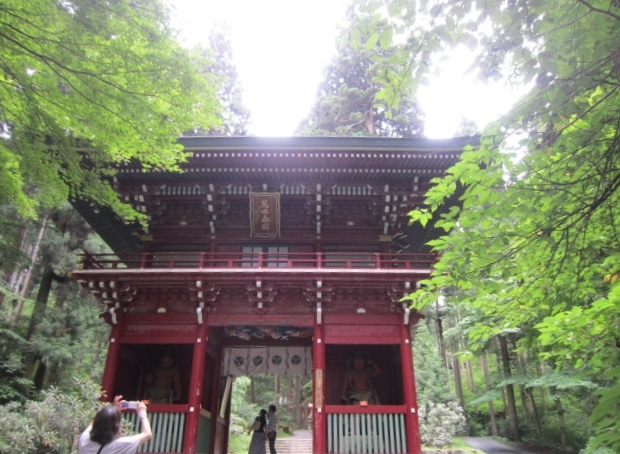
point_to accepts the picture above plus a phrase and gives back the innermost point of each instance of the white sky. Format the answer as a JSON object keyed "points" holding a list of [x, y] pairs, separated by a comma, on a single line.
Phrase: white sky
{"points": [[281, 47]]}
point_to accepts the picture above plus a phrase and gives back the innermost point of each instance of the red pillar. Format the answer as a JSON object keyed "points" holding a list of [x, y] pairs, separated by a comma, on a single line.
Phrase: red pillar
{"points": [[111, 362], [411, 401], [194, 397], [318, 409]]}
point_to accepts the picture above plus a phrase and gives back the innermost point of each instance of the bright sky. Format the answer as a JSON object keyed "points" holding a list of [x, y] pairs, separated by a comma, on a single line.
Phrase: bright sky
{"points": [[281, 47]]}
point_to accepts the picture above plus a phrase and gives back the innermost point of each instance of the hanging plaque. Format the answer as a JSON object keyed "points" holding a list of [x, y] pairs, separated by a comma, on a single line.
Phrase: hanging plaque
{"points": [[265, 214]]}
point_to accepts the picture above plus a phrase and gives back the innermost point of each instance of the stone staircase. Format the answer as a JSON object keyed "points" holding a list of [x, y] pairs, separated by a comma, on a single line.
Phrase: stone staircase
{"points": [[293, 445]]}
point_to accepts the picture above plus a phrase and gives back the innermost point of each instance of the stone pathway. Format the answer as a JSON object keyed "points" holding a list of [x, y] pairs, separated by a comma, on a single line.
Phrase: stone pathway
{"points": [[491, 446]]}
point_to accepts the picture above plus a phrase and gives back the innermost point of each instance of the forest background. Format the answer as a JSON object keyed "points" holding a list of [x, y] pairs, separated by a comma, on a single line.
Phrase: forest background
{"points": [[522, 312]]}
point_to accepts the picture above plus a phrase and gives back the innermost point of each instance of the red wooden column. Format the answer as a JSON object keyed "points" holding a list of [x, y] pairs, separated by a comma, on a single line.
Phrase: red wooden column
{"points": [[111, 362], [411, 400], [194, 397], [318, 409]]}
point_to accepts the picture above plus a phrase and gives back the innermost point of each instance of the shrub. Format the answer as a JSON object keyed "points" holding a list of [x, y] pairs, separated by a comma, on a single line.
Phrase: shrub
{"points": [[439, 423], [50, 425], [600, 450]]}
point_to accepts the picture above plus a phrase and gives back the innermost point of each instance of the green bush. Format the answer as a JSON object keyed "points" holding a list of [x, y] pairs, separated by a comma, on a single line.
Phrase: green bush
{"points": [[51, 425], [599, 450], [439, 423]]}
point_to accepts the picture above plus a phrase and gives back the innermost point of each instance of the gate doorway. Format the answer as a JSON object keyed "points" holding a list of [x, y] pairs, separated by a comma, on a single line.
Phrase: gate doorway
{"points": [[259, 365], [292, 396]]}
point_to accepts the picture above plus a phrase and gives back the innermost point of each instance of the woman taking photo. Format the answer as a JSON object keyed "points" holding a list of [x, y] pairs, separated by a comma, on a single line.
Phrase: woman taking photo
{"points": [[104, 434]]}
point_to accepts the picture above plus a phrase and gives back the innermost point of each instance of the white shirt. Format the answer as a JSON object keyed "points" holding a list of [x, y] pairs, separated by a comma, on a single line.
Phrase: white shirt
{"points": [[122, 445], [272, 424]]}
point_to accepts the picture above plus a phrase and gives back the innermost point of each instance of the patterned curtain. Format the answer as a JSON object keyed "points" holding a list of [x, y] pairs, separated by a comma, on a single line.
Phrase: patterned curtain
{"points": [[248, 361]]}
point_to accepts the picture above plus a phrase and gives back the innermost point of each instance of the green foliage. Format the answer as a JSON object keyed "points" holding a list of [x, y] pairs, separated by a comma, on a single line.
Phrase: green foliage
{"points": [[110, 74], [65, 339], [430, 373], [536, 244], [11, 255], [50, 425], [590, 450], [12, 383], [242, 410], [239, 442]]}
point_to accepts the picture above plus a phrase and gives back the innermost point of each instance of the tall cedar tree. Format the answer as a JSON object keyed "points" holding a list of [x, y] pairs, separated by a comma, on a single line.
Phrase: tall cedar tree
{"points": [[217, 64], [347, 103]]}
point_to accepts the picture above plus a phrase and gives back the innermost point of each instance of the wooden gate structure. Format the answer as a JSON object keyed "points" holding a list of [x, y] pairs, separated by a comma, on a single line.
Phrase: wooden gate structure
{"points": [[304, 241]]}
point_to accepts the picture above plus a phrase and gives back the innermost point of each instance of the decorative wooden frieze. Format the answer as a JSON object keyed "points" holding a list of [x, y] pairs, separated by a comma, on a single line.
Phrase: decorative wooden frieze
{"points": [[111, 292], [260, 294], [396, 293], [203, 293]]}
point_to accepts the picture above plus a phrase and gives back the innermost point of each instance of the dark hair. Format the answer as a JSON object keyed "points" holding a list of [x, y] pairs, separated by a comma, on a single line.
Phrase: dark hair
{"points": [[262, 412], [106, 425], [272, 407]]}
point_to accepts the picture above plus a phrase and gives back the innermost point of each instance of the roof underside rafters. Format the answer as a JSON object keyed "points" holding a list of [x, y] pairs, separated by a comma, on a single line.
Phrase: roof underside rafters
{"points": [[304, 165]]}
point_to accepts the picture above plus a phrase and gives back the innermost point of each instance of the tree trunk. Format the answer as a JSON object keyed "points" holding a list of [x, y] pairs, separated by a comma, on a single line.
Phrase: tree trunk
{"points": [[458, 381], [534, 410], [542, 391], [252, 391], [39, 375], [529, 403], [470, 377], [276, 380], [14, 318], [40, 304], [38, 313], [297, 401], [498, 366], [487, 381], [441, 345], [513, 420], [560, 409], [11, 276]]}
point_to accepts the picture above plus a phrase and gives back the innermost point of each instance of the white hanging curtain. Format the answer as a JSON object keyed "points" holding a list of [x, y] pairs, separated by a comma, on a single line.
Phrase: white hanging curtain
{"points": [[299, 360], [248, 361]]}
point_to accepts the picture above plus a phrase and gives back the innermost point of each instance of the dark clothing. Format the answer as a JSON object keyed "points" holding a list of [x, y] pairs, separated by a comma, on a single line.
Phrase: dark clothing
{"points": [[263, 423], [257, 443], [272, 442], [272, 430]]}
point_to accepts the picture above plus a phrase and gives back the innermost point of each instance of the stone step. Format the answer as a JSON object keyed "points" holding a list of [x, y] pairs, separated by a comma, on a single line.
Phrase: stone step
{"points": [[291, 445]]}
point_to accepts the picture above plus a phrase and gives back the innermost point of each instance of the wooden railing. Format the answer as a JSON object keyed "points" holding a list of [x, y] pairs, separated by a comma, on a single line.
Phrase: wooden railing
{"points": [[167, 428], [376, 430], [258, 260]]}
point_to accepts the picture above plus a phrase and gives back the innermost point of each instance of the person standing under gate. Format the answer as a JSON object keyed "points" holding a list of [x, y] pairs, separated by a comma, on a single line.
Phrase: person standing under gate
{"points": [[272, 429], [257, 443]]}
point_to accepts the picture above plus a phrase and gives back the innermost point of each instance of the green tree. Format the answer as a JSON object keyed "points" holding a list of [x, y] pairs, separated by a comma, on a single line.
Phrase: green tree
{"points": [[107, 73], [431, 375], [218, 66], [347, 102], [536, 241]]}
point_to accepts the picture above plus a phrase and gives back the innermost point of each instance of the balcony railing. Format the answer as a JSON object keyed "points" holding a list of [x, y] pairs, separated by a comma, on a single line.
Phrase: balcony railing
{"points": [[168, 429], [378, 429], [259, 260]]}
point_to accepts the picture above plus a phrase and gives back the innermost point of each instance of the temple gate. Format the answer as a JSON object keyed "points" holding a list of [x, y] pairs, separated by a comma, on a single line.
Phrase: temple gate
{"points": [[304, 241]]}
